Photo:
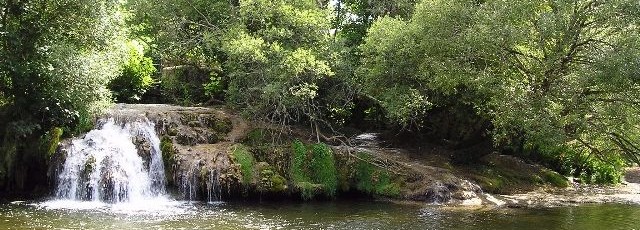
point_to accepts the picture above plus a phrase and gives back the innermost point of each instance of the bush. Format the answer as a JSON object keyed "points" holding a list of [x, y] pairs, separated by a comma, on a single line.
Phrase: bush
{"points": [[184, 85], [136, 76], [573, 162]]}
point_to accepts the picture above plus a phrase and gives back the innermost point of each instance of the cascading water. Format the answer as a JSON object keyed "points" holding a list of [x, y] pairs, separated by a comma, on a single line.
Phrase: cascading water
{"points": [[107, 165], [197, 183]]}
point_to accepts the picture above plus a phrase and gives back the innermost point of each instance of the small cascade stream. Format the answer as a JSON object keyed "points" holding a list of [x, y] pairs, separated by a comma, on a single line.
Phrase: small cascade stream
{"points": [[110, 164], [198, 183]]}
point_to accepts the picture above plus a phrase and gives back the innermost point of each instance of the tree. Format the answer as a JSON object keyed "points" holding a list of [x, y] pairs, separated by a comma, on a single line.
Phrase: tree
{"points": [[554, 77], [278, 58], [185, 41], [56, 59], [136, 75]]}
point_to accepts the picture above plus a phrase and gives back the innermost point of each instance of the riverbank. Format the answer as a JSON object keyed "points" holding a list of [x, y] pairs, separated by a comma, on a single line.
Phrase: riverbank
{"points": [[213, 154]]}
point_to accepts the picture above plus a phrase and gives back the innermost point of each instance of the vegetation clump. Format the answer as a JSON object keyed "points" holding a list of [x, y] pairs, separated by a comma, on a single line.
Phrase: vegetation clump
{"points": [[313, 169], [243, 157], [372, 180]]}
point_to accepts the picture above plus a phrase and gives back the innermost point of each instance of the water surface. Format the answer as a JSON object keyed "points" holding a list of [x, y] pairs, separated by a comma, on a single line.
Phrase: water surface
{"points": [[167, 214]]}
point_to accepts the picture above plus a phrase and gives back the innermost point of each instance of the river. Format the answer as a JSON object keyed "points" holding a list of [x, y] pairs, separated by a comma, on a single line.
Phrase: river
{"points": [[166, 214]]}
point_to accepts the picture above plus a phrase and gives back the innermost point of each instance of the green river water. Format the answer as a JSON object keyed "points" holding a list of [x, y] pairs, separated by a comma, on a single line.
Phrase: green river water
{"points": [[327, 215]]}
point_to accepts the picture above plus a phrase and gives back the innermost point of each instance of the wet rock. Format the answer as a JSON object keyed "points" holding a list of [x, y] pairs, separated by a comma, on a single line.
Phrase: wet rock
{"points": [[144, 149], [438, 193]]}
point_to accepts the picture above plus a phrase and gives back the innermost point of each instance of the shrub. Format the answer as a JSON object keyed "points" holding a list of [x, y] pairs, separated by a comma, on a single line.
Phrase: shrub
{"points": [[136, 76]]}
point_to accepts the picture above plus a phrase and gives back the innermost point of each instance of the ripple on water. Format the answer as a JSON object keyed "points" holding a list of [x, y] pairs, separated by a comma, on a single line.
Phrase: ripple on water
{"points": [[168, 214]]}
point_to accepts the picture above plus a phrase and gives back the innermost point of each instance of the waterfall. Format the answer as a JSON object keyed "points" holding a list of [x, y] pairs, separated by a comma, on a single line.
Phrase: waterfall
{"points": [[198, 183], [116, 162]]}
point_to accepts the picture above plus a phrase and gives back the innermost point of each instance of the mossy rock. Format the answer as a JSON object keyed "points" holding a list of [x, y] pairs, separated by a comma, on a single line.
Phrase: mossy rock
{"points": [[89, 167], [270, 181], [172, 132], [221, 125], [555, 179], [168, 155], [185, 118], [193, 124], [245, 159], [308, 190]]}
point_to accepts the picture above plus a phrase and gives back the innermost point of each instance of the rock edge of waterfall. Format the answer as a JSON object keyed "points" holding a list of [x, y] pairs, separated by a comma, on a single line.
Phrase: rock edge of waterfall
{"points": [[212, 154]]}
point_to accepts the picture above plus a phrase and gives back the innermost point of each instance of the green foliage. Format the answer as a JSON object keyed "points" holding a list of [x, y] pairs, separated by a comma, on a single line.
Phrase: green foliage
{"points": [[299, 160], [590, 169], [50, 141], [277, 58], [323, 167], [313, 169], [543, 72], [57, 61], [270, 181], [136, 76], [57, 58], [372, 180], [246, 161], [184, 85]]}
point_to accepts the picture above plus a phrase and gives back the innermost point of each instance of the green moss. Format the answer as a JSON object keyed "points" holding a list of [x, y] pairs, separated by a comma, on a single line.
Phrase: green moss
{"points": [[490, 184], [385, 186], [168, 156], [314, 164], [270, 181], [245, 159], [168, 151], [323, 169], [299, 159], [279, 183], [372, 180], [555, 179], [308, 190], [364, 174]]}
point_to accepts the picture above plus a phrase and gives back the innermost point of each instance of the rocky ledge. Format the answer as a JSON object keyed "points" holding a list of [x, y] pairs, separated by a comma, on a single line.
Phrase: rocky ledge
{"points": [[213, 154]]}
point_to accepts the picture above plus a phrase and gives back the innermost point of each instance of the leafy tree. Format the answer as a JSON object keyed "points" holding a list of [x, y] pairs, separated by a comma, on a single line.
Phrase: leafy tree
{"points": [[278, 59], [185, 41], [57, 57], [136, 76], [545, 73]]}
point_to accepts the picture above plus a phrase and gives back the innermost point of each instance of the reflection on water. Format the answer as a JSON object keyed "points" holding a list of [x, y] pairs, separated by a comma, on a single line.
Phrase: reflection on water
{"points": [[167, 214]]}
